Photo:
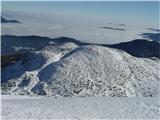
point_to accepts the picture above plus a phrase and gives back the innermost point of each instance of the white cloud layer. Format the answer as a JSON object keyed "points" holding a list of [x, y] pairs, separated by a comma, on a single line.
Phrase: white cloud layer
{"points": [[79, 28]]}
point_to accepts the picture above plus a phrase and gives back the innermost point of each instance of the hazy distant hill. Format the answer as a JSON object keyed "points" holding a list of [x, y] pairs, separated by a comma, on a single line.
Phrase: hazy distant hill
{"points": [[140, 48], [4, 20]]}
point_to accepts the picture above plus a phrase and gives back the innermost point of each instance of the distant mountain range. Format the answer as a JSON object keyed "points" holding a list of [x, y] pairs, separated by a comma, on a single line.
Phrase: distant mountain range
{"points": [[152, 36], [140, 48], [4, 20], [19, 44]]}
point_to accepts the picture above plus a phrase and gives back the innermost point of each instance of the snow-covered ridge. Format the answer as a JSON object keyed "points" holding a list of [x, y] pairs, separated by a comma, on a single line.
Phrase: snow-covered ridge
{"points": [[84, 71]]}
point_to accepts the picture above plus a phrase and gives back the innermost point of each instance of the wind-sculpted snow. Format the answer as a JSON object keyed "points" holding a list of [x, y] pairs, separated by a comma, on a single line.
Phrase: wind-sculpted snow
{"points": [[89, 71]]}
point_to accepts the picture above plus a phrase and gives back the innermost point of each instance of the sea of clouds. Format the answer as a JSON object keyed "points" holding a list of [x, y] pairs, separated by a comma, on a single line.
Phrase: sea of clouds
{"points": [[83, 29]]}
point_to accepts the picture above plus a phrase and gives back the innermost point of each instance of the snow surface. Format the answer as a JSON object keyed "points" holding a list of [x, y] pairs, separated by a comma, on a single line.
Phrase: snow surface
{"points": [[22, 107], [82, 71]]}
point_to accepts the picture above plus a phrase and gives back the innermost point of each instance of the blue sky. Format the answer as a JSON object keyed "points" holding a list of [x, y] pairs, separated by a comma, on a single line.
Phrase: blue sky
{"points": [[124, 12]]}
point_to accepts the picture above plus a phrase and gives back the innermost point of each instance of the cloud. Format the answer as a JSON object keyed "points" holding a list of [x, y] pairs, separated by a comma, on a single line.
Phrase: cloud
{"points": [[81, 29], [153, 29], [121, 29]]}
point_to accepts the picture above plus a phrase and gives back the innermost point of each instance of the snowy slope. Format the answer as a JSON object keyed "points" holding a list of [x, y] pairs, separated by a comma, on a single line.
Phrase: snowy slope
{"points": [[23, 74], [84, 71], [19, 107], [95, 70]]}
